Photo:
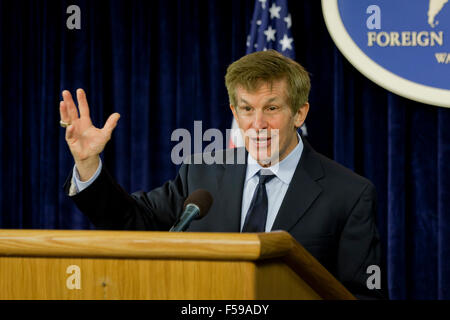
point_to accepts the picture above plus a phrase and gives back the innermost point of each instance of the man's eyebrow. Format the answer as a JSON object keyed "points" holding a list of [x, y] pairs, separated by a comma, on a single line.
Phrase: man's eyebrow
{"points": [[243, 101], [271, 100]]}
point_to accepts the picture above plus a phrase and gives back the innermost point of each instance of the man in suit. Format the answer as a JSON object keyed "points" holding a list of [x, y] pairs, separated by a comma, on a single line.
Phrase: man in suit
{"points": [[278, 183]]}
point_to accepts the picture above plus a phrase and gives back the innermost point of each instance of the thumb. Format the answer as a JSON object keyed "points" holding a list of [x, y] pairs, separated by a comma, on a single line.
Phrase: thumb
{"points": [[111, 123]]}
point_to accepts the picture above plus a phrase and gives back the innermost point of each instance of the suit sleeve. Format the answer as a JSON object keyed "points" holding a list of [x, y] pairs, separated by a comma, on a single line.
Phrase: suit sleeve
{"points": [[359, 247], [109, 207]]}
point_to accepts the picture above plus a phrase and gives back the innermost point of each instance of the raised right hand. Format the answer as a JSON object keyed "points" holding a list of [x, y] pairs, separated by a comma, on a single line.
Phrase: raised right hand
{"points": [[85, 141]]}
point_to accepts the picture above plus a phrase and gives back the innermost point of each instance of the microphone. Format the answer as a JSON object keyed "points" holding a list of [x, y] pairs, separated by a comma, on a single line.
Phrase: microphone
{"points": [[196, 206]]}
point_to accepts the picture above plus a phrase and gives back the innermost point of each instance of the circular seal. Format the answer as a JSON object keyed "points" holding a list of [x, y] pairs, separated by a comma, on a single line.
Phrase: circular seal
{"points": [[402, 45]]}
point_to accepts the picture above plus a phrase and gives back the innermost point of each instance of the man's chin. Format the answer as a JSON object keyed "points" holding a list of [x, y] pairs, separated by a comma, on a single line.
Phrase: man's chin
{"points": [[264, 156]]}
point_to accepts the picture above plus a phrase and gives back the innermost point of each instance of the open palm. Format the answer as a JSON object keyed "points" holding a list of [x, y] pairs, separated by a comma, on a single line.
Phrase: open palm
{"points": [[83, 138]]}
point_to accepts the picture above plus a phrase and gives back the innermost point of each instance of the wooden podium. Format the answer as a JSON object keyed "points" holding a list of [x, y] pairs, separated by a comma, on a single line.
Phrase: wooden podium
{"points": [[63, 264]]}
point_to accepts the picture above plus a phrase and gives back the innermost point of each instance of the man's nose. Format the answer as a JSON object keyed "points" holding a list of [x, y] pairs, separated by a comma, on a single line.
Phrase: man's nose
{"points": [[260, 121]]}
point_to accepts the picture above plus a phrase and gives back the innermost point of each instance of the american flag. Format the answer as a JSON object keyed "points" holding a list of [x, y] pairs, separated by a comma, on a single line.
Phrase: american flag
{"points": [[270, 29]]}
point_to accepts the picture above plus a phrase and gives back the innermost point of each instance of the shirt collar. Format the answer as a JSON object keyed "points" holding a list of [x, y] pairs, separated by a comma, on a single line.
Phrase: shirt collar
{"points": [[284, 170]]}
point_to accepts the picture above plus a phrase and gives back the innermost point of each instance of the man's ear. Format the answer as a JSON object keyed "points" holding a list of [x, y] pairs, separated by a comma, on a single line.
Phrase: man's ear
{"points": [[233, 110], [301, 114]]}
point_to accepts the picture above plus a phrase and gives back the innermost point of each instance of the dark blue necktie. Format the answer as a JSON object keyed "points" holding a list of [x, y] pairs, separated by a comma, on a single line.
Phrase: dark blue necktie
{"points": [[255, 221]]}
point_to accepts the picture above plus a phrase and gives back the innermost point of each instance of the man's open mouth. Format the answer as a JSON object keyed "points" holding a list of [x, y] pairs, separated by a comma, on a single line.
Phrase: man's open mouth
{"points": [[260, 141]]}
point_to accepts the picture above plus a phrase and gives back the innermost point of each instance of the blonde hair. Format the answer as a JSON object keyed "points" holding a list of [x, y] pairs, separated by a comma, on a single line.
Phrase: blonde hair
{"points": [[265, 67]]}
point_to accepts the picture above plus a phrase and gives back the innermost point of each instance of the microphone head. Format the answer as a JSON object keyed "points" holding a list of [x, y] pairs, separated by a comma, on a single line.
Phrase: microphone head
{"points": [[202, 199]]}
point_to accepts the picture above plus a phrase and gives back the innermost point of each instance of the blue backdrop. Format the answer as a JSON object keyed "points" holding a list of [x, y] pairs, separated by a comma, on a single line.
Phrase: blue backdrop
{"points": [[161, 65]]}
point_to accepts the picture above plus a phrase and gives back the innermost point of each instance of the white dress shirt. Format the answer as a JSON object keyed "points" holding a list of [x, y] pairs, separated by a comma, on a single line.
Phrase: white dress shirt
{"points": [[276, 188]]}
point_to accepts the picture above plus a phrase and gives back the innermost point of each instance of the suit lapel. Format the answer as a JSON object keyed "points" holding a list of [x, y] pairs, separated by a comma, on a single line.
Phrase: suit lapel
{"points": [[230, 191], [302, 191]]}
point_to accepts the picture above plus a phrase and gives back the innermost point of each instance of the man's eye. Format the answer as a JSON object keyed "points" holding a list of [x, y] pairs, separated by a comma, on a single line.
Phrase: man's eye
{"points": [[246, 109], [273, 108]]}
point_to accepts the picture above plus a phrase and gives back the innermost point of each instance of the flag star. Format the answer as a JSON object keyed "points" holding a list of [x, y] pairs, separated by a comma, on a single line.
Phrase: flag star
{"points": [[270, 34], [288, 21], [286, 43], [263, 3], [258, 22], [248, 41], [274, 11], [256, 46]]}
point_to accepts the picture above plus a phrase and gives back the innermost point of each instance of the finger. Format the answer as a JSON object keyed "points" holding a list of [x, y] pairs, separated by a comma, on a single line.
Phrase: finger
{"points": [[82, 103], [69, 132], [111, 123], [63, 112], [70, 105]]}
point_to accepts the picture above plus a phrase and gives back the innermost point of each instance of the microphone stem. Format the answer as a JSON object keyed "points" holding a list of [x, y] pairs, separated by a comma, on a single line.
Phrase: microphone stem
{"points": [[189, 214]]}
